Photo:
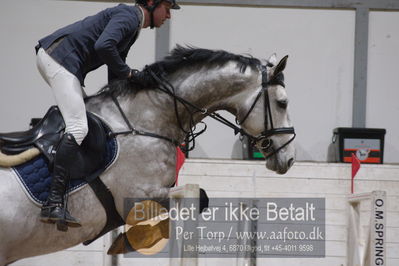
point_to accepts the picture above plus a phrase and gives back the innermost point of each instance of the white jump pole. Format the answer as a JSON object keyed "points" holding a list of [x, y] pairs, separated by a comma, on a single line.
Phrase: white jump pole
{"points": [[188, 191], [367, 249], [108, 239]]}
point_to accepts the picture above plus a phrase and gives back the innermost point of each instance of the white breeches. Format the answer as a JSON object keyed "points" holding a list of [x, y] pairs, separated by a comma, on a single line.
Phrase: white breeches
{"points": [[68, 94]]}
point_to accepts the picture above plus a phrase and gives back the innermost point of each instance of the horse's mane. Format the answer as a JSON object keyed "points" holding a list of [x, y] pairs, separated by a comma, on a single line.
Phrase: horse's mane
{"points": [[181, 57]]}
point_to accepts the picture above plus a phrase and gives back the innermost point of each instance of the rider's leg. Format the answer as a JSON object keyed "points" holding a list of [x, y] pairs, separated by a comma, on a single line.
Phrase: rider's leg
{"points": [[69, 98], [68, 94], [55, 207]]}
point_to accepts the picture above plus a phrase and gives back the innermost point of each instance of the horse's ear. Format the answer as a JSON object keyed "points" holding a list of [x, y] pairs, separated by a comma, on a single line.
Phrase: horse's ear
{"points": [[272, 59], [281, 65]]}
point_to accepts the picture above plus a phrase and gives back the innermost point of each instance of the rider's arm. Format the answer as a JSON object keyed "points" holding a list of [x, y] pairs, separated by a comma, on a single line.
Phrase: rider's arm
{"points": [[111, 75], [120, 26]]}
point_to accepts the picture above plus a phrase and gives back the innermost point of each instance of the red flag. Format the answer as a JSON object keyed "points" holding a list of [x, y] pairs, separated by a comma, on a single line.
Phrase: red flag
{"points": [[180, 158], [355, 168], [355, 165]]}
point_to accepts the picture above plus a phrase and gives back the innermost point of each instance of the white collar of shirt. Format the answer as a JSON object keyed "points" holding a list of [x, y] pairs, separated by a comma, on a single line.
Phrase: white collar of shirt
{"points": [[142, 16]]}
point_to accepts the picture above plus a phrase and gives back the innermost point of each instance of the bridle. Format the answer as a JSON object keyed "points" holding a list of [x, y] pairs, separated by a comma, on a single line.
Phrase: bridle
{"points": [[264, 138], [266, 143]]}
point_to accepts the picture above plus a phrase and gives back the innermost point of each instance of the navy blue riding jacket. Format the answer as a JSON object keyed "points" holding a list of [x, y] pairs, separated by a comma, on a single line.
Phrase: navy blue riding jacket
{"points": [[104, 38]]}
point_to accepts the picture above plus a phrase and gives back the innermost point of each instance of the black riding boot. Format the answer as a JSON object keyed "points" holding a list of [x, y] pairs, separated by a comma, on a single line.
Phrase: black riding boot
{"points": [[55, 210]]}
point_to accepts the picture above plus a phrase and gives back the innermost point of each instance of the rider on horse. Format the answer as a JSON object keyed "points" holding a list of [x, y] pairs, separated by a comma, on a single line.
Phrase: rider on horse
{"points": [[65, 57]]}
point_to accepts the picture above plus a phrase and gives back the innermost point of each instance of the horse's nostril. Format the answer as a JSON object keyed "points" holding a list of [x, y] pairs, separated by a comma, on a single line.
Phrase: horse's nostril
{"points": [[290, 162]]}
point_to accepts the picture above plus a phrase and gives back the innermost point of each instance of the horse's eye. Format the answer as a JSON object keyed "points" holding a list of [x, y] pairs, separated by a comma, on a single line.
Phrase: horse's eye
{"points": [[282, 104]]}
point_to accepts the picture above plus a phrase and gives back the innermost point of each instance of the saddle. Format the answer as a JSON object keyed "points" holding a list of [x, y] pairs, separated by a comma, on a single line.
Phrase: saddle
{"points": [[46, 134], [96, 150]]}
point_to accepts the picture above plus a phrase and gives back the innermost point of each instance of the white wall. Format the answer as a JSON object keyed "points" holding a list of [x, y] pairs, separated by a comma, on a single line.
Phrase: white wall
{"points": [[226, 178]]}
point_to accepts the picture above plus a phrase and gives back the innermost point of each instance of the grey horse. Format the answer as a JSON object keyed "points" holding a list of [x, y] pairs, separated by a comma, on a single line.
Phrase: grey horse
{"points": [[210, 80]]}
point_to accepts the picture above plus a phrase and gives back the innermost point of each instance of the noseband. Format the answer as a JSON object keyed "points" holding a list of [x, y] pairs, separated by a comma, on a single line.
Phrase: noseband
{"points": [[266, 143]]}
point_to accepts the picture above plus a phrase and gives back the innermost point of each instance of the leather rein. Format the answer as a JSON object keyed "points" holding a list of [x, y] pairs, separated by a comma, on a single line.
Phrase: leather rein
{"points": [[266, 144], [264, 138]]}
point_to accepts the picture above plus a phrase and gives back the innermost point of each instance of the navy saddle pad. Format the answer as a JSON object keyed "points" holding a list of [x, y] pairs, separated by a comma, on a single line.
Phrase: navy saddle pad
{"points": [[36, 178]]}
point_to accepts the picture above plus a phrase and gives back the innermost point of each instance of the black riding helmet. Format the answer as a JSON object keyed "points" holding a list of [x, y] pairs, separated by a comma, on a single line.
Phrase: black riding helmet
{"points": [[157, 2], [154, 6], [174, 4]]}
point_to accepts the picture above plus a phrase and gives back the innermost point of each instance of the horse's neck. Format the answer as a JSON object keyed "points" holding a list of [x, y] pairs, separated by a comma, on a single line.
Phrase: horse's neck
{"points": [[218, 88], [152, 110], [147, 110]]}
